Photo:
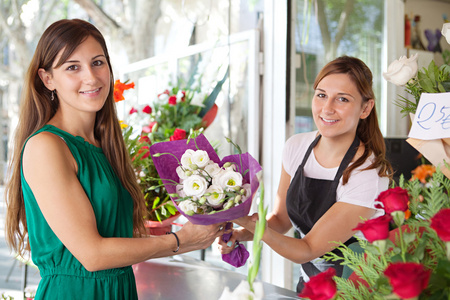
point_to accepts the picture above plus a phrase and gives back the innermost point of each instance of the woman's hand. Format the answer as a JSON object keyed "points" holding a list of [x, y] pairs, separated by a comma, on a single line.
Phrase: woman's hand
{"points": [[195, 237]]}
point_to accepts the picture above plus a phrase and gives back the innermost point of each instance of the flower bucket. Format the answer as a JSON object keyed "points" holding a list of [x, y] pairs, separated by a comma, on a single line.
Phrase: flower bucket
{"points": [[160, 228]]}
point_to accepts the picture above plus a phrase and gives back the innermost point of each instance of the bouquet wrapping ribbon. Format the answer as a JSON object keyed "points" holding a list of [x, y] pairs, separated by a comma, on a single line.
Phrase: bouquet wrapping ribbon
{"points": [[167, 164]]}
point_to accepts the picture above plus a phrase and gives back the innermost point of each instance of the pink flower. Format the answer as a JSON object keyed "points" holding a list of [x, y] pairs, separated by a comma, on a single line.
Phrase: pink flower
{"points": [[147, 109], [407, 279], [375, 229], [441, 224], [148, 129], [132, 110], [395, 199], [321, 286]]}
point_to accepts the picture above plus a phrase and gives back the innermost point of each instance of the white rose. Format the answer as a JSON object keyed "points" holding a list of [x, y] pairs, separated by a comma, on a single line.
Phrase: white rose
{"points": [[402, 70], [163, 98], [180, 191], [200, 158], [195, 185], [230, 179], [180, 96], [216, 197], [248, 191], [181, 173], [186, 158], [212, 168], [188, 206], [198, 99], [446, 31], [216, 178]]}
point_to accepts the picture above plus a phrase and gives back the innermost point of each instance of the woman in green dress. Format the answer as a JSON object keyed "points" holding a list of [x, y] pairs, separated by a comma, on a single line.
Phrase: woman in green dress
{"points": [[72, 198]]}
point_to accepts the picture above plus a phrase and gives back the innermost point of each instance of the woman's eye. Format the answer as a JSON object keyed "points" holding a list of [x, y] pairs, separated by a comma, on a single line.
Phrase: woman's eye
{"points": [[320, 95], [72, 68], [343, 99], [98, 63]]}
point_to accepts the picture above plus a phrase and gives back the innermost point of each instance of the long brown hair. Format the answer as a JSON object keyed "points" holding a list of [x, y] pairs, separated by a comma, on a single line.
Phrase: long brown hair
{"points": [[37, 109], [368, 130]]}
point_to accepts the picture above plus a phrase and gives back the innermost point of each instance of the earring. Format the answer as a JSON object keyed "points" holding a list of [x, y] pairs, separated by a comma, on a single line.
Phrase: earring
{"points": [[53, 95]]}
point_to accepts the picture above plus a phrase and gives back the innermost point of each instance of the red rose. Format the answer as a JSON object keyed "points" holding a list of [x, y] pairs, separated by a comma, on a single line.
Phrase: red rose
{"points": [[178, 134], [441, 224], [407, 279], [148, 129], [147, 109], [145, 139], [173, 100], [393, 200], [321, 286], [375, 229], [184, 96], [133, 110]]}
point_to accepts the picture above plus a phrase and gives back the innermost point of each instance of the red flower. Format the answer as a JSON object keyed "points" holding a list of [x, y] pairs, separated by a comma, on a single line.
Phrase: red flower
{"points": [[375, 229], [407, 279], [148, 129], [165, 92], [133, 110], [119, 88], [145, 150], [184, 96], [321, 286], [147, 109], [178, 134], [173, 100], [393, 200], [145, 139], [441, 224]]}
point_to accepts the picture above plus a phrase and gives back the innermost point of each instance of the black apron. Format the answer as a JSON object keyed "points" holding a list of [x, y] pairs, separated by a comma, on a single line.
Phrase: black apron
{"points": [[307, 200]]}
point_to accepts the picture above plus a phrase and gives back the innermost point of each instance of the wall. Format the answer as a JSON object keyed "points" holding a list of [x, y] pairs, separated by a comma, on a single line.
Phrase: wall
{"points": [[431, 17]]}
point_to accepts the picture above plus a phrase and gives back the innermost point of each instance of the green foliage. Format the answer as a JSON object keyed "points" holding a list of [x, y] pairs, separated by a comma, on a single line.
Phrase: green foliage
{"points": [[415, 242], [433, 79], [158, 203], [260, 227]]}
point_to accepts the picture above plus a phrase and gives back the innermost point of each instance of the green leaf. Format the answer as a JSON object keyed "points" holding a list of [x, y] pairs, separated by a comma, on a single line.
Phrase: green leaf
{"points": [[211, 99]]}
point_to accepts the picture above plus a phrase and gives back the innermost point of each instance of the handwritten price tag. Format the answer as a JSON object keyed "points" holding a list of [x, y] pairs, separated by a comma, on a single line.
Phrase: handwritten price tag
{"points": [[432, 118]]}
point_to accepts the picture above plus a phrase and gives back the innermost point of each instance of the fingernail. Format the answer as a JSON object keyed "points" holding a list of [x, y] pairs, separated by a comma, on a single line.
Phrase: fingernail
{"points": [[229, 243]]}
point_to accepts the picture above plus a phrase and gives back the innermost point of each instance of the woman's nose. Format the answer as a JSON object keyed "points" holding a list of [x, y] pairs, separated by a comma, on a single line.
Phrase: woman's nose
{"points": [[328, 107], [89, 76]]}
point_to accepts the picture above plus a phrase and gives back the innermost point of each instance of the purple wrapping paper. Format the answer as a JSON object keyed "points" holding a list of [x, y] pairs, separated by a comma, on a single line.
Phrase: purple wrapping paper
{"points": [[239, 255], [167, 164]]}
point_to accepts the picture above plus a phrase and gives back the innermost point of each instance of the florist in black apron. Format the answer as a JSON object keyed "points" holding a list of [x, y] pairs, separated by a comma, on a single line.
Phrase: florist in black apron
{"points": [[330, 177]]}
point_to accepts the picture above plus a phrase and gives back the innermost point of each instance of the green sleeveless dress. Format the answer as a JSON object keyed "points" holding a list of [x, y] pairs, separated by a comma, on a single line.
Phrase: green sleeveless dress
{"points": [[63, 276]]}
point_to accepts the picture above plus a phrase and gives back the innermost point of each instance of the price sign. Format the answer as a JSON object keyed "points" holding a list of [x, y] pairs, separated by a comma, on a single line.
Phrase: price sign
{"points": [[432, 118]]}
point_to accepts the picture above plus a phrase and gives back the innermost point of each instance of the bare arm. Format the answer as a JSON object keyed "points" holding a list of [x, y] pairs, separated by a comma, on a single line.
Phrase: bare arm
{"points": [[50, 171], [335, 225]]}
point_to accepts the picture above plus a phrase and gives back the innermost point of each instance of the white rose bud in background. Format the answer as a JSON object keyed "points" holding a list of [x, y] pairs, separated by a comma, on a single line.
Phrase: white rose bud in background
{"points": [[402, 70], [181, 173], [446, 31], [195, 185]]}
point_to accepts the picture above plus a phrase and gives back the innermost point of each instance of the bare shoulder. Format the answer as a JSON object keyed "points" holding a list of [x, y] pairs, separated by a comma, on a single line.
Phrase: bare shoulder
{"points": [[46, 150]]}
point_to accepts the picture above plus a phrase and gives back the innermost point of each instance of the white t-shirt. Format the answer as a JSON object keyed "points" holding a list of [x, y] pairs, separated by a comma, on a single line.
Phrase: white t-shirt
{"points": [[362, 188]]}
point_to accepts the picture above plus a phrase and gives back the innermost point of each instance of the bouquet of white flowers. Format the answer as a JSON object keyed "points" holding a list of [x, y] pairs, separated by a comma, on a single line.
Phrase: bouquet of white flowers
{"points": [[205, 189]]}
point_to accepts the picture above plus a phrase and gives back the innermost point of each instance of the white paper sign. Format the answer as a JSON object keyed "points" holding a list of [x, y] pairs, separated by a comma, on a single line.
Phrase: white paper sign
{"points": [[432, 118]]}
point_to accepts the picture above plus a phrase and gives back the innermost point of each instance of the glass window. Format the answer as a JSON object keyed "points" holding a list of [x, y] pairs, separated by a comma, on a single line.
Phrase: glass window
{"points": [[327, 30]]}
